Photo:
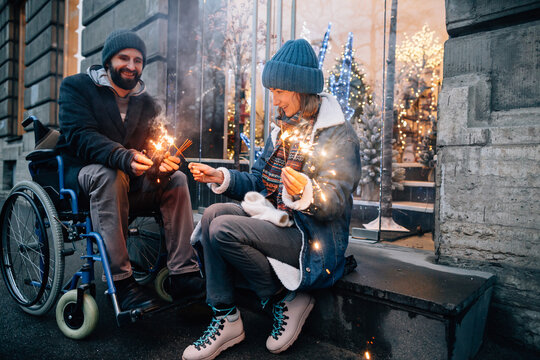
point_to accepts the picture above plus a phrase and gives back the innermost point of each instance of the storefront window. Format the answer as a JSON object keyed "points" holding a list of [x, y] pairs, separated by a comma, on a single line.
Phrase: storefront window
{"points": [[218, 55]]}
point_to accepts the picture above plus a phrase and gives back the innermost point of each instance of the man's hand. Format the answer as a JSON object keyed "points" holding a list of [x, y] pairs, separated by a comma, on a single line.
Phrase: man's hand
{"points": [[169, 164], [140, 164], [206, 174], [293, 181]]}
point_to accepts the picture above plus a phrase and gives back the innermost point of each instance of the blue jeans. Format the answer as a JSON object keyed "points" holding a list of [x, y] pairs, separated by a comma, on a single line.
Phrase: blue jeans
{"points": [[234, 242]]}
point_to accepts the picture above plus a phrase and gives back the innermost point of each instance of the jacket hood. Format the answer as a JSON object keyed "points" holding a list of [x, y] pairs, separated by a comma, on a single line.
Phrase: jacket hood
{"points": [[330, 114], [99, 76]]}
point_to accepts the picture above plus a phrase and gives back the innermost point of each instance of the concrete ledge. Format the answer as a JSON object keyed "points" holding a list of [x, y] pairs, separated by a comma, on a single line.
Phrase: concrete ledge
{"points": [[398, 304], [410, 277]]}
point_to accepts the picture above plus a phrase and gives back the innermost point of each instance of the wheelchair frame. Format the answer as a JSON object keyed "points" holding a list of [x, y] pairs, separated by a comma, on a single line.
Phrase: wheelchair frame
{"points": [[76, 311]]}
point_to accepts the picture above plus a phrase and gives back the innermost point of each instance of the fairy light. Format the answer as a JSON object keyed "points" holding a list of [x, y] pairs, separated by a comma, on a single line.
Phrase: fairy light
{"points": [[324, 46]]}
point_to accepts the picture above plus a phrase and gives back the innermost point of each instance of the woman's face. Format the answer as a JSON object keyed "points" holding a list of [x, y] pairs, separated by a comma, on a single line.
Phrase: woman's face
{"points": [[288, 101]]}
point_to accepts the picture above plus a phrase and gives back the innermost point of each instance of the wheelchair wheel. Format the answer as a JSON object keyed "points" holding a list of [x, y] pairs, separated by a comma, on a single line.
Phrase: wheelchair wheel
{"points": [[146, 247], [73, 325], [31, 259], [159, 284]]}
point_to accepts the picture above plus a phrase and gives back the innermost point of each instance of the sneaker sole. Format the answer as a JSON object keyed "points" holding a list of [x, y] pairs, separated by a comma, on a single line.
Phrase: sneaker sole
{"points": [[303, 318], [223, 347]]}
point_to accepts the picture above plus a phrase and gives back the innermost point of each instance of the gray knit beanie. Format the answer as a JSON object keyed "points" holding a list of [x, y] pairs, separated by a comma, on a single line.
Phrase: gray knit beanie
{"points": [[122, 39], [295, 68]]}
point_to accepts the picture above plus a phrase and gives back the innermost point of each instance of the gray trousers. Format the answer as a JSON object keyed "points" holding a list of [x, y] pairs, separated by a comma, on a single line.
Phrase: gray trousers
{"points": [[234, 242], [113, 195]]}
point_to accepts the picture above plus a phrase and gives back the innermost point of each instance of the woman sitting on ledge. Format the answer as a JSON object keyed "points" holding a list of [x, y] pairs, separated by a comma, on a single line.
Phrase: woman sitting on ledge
{"points": [[290, 233]]}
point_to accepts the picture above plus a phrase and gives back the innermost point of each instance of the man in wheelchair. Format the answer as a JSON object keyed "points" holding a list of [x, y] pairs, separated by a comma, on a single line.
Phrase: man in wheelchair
{"points": [[106, 119]]}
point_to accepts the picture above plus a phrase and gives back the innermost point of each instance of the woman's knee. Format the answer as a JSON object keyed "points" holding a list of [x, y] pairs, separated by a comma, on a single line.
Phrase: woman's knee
{"points": [[215, 210], [222, 230]]}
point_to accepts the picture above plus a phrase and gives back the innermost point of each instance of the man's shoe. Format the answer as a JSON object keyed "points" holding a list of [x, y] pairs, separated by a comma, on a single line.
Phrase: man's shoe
{"points": [[131, 295], [224, 331], [186, 288], [290, 314]]}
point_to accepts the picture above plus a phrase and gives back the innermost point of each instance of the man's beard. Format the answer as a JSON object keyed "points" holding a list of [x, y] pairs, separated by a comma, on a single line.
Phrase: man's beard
{"points": [[126, 84]]}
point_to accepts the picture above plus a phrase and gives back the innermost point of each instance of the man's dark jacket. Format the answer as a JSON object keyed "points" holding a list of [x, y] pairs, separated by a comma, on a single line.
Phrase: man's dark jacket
{"points": [[91, 128]]}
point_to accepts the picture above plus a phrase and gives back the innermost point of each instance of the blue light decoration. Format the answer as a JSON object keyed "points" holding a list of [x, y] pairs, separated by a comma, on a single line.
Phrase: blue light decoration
{"points": [[245, 139], [341, 89], [332, 85], [324, 46]]}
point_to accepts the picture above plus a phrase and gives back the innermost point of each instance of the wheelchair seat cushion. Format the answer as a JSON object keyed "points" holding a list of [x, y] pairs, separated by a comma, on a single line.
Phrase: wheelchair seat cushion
{"points": [[42, 154]]}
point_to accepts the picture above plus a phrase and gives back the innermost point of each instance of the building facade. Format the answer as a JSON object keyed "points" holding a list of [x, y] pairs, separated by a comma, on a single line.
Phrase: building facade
{"points": [[487, 182]]}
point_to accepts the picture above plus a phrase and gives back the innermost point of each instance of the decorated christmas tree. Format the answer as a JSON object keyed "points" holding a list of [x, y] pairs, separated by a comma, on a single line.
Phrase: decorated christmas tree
{"points": [[368, 128], [427, 147], [420, 58], [360, 93]]}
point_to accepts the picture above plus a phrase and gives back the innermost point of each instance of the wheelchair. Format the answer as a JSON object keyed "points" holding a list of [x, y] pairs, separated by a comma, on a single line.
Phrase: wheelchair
{"points": [[43, 222]]}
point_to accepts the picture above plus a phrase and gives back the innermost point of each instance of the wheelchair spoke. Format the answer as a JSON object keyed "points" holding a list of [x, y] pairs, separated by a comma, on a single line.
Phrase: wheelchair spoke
{"points": [[31, 250], [145, 245]]}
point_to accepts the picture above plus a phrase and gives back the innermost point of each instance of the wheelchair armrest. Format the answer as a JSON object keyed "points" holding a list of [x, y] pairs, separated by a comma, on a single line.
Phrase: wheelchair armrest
{"points": [[42, 154]]}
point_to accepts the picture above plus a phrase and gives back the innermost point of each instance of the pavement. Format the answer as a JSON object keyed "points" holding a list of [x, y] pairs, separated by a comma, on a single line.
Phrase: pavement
{"points": [[162, 336]]}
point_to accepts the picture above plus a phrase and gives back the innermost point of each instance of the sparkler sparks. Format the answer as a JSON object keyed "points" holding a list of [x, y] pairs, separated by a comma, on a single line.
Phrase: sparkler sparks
{"points": [[162, 145], [163, 142]]}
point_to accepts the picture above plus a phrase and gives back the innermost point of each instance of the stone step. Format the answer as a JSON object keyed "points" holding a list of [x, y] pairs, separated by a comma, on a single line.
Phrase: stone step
{"points": [[415, 191], [409, 214], [399, 304]]}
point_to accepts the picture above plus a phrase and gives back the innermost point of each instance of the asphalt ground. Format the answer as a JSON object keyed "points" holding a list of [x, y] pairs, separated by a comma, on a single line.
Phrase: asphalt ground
{"points": [[161, 336]]}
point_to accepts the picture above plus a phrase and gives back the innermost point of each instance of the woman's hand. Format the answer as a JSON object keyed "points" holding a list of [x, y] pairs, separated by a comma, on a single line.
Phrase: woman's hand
{"points": [[293, 181], [206, 174], [169, 163], [140, 164]]}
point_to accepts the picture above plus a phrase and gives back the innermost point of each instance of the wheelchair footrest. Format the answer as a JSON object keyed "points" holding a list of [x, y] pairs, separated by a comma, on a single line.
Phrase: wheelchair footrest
{"points": [[127, 317]]}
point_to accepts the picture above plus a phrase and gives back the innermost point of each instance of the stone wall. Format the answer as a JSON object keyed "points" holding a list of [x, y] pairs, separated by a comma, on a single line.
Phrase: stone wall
{"points": [[42, 58], [488, 177], [8, 68]]}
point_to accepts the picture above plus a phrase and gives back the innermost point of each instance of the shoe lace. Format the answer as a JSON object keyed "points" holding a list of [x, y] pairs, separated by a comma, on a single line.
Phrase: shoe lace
{"points": [[213, 329], [279, 319]]}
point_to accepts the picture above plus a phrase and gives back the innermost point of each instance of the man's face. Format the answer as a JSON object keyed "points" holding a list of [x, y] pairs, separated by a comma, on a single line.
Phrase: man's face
{"points": [[126, 68]]}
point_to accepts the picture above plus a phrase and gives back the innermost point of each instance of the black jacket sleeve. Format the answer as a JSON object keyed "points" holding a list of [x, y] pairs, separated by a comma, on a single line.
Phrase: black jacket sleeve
{"points": [[84, 130]]}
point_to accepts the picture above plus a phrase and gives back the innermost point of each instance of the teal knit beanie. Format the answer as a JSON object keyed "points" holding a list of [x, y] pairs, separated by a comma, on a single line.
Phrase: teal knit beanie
{"points": [[122, 39], [295, 68]]}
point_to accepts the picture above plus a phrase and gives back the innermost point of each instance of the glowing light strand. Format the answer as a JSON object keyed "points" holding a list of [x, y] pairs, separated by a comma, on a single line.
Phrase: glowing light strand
{"points": [[324, 46], [341, 90]]}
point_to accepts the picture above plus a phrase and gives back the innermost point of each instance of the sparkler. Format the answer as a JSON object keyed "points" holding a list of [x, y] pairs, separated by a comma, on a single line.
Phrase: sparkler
{"points": [[283, 137], [183, 147], [162, 146]]}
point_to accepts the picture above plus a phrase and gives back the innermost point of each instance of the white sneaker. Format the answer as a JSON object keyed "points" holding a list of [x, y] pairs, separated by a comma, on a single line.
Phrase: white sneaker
{"points": [[222, 333], [290, 314]]}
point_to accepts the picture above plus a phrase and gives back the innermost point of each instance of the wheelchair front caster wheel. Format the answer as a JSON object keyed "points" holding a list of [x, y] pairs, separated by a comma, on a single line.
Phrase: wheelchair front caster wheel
{"points": [[73, 325], [159, 282]]}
